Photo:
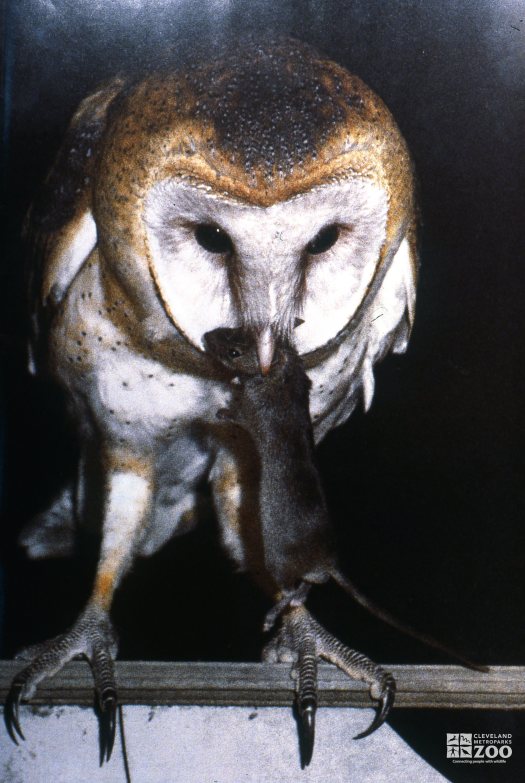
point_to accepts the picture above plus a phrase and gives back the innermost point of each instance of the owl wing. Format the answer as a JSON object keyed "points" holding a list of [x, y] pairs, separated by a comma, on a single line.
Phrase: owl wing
{"points": [[59, 230], [381, 323]]}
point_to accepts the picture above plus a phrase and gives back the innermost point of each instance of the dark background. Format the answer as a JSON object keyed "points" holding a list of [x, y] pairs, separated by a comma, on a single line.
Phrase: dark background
{"points": [[426, 489]]}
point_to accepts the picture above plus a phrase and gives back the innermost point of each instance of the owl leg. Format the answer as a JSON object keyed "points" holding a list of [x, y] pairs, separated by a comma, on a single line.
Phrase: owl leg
{"points": [[289, 598], [304, 641], [92, 635]]}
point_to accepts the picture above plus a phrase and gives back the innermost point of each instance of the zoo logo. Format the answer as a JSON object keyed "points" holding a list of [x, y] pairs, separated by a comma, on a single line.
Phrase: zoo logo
{"points": [[462, 746]]}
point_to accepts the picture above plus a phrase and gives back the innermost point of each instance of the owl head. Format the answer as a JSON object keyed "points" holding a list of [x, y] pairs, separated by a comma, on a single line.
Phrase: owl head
{"points": [[265, 189]]}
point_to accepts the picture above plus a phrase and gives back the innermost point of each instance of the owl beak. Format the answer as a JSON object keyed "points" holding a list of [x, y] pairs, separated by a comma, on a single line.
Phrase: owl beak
{"points": [[265, 349]]}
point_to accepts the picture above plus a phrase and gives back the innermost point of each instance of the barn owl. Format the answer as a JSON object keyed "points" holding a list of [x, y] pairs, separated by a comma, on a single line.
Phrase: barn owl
{"points": [[268, 189]]}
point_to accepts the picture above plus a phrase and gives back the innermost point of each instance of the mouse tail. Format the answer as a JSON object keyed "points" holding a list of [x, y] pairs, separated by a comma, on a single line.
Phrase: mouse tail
{"points": [[382, 614]]}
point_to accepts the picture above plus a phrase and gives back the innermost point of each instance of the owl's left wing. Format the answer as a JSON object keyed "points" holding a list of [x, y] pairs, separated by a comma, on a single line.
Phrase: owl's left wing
{"points": [[60, 231]]}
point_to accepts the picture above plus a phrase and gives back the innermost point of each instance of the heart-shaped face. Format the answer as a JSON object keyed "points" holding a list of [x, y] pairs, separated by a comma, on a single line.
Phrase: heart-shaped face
{"points": [[221, 262]]}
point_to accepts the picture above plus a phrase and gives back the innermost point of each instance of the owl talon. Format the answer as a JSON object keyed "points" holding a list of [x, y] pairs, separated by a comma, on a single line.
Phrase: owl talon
{"points": [[11, 710], [307, 732], [91, 637], [300, 633], [108, 722], [386, 700]]}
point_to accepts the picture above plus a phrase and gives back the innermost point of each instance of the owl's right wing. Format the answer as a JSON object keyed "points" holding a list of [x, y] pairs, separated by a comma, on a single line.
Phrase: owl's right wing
{"points": [[60, 231]]}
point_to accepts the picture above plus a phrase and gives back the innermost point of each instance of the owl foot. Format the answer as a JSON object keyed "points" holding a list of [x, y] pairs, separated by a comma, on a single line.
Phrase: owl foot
{"points": [[91, 637], [302, 640]]}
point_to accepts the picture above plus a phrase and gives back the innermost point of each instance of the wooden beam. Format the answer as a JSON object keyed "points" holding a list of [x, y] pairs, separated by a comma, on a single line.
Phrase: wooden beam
{"points": [[260, 684]]}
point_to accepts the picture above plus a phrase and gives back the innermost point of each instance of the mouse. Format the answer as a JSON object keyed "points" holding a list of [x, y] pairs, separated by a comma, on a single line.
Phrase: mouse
{"points": [[298, 539]]}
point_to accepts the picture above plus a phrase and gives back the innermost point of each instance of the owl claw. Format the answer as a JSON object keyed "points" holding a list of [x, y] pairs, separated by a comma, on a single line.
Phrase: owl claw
{"points": [[307, 732], [11, 710], [91, 637], [386, 700], [108, 722], [302, 636]]}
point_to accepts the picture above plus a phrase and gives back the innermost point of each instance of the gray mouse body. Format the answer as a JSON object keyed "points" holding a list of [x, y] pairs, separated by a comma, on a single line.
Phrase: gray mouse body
{"points": [[274, 409]]}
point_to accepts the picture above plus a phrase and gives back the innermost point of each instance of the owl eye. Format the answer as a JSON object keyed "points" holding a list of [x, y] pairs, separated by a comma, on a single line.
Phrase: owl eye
{"points": [[213, 239], [324, 240]]}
